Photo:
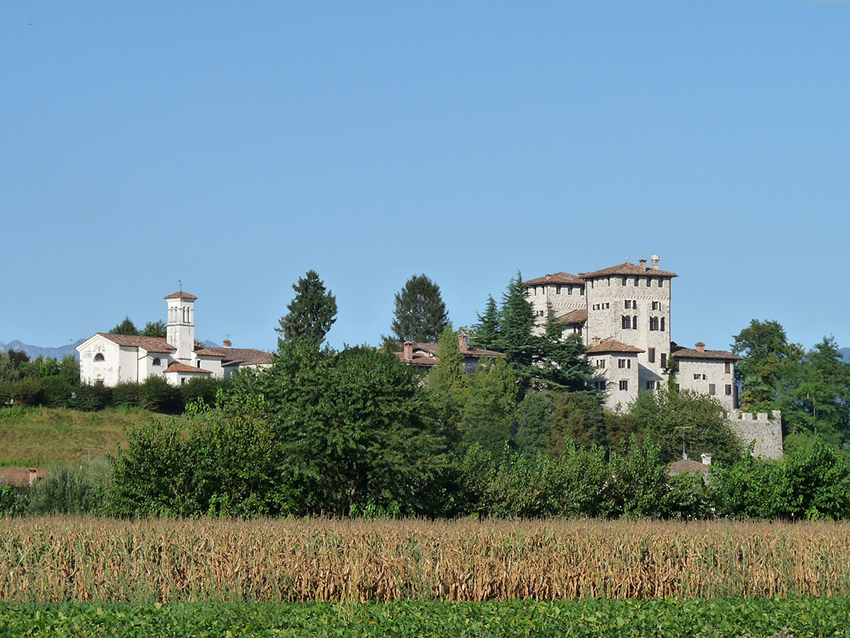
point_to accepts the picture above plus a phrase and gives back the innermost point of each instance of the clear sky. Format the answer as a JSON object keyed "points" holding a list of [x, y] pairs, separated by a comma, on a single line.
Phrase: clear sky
{"points": [[234, 146]]}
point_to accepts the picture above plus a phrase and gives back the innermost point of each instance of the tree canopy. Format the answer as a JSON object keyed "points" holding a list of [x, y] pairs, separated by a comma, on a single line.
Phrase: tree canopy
{"points": [[125, 327], [420, 314], [312, 311]]}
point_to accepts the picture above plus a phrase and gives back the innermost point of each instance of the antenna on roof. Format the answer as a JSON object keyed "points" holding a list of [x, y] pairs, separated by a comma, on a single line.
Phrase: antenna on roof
{"points": [[180, 284]]}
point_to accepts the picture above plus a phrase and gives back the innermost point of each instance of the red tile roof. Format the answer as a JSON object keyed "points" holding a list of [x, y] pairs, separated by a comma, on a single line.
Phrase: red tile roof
{"points": [[687, 353], [627, 269], [612, 345], [181, 295], [240, 356], [575, 316], [151, 344], [687, 465], [19, 477], [427, 354], [557, 278], [182, 367]]}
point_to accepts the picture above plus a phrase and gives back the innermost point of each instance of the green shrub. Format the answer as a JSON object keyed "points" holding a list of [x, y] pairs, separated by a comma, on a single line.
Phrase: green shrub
{"points": [[91, 397], [200, 388], [56, 392], [127, 393], [27, 392], [67, 490], [157, 395]]}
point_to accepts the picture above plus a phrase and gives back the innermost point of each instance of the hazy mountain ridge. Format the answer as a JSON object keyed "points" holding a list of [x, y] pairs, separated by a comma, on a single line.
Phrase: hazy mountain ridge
{"points": [[33, 352]]}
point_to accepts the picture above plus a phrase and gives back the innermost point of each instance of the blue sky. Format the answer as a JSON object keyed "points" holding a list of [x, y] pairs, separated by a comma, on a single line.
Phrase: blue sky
{"points": [[234, 146]]}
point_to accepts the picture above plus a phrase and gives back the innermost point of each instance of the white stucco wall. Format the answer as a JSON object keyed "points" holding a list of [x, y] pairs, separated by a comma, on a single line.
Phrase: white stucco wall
{"points": [[709, 372], [92, 371]]}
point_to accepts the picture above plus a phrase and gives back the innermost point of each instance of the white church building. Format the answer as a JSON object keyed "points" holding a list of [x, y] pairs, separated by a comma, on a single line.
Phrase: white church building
{"points": [[113, 359]]}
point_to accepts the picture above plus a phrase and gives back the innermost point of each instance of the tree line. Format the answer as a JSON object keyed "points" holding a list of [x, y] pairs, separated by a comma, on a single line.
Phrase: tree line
{"points": [[356, 432]]}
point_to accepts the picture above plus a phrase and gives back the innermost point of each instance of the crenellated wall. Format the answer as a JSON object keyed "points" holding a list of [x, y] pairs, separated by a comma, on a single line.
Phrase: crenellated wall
{"points": [[764, 428]]}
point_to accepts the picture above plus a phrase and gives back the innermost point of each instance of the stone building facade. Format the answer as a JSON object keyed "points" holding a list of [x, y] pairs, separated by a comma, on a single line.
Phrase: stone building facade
{"points": [[624, 316]]}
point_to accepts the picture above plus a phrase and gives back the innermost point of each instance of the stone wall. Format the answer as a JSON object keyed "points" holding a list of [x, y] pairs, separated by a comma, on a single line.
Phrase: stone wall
{"points": [[765, 429]]}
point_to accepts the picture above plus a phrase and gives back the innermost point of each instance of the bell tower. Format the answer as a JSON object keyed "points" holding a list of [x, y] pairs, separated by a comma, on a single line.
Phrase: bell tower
{"points": [[181, 325]]}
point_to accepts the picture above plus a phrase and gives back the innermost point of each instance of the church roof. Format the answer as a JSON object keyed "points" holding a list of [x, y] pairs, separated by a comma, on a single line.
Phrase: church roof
{"points": [[557, 278], [612, 345], [151, 344], [182, 367], [181, 295], [628, 269]]}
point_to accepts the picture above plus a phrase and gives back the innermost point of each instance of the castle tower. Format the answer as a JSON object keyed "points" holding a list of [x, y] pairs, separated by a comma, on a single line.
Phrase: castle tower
{"points": [[181, 325]]}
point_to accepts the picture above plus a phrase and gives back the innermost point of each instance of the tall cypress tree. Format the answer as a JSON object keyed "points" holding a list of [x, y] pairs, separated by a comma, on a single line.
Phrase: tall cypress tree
{"points": [[420, 314], [311, 314]]}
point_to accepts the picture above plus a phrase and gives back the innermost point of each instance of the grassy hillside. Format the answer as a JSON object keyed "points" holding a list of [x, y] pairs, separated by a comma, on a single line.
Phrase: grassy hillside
{"points": [[45, 437]]}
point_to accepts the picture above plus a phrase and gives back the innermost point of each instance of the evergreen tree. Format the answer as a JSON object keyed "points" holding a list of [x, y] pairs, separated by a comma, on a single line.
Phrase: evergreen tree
{"points": [[311, 313], [515, 336], [420, 314], [126, 327], [485, 334], [155, 329], [562, 360]]}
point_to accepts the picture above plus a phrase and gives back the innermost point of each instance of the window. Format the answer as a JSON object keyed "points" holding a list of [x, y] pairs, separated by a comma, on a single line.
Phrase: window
{"points": [[656, 305], [728, 368], [156, 361], [728, 389], [627, 322], [183, 380], [653, 323], [660, 282], [601, 385], [624, 385], [98, 356], [697, 377], [581, 291], [624, 282], [711, 389], [199, 364], [628, 303], [637, 281], [624, 363], [662, 324], [650, 355], [600, 363], [663, 359], [558, 290], [650, 385]]}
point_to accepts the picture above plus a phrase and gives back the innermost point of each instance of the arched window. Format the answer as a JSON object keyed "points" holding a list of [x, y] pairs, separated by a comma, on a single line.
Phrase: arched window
{"points": [[156, 361], [99, 356]]}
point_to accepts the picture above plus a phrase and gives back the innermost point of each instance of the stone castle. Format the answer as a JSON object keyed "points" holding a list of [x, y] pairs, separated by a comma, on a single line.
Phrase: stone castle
{"points": [[623, 315]]}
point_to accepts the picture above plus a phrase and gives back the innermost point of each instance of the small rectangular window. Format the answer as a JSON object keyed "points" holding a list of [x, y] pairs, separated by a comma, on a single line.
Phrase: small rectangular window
{"points": [[697, 377], [662, 324], [711, 389], [728, 390], [663, 359], [624, 363], [650, 355], [656, 305], [624, 282], [600, 363], [728, 367], [650, 385], [624, 384]]}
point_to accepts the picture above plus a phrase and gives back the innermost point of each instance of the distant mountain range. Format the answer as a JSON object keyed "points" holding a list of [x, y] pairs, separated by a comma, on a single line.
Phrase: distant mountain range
{"points": [[33, 352], [845, 352]]}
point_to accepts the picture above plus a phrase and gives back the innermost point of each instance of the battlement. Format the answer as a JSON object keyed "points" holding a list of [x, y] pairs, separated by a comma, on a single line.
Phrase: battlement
{"points": [[764, 428]]}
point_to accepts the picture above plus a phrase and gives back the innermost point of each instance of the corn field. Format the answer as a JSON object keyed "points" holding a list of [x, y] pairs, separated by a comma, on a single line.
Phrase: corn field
{"points": [[83, 559]]}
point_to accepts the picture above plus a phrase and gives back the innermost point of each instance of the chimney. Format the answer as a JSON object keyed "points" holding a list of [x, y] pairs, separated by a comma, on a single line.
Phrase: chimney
{"points": [[408, 351], [655, 260], [642, 263], [463, 342], [700, 346], [706, 459], [32, 475], [227, 343]]}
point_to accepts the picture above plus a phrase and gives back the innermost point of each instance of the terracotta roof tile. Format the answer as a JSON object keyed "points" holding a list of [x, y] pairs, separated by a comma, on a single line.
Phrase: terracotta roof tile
{"points": [[182, 367], [180, 295], [574, 316], [557, 278], [687, 353], [627, 269], [19, 477], [687, 465], [151, 344], [244, 356], [612, 345]]}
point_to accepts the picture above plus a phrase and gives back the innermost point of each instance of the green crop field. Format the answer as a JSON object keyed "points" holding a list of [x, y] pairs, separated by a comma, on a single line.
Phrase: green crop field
{"points": [[714, 618]]}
